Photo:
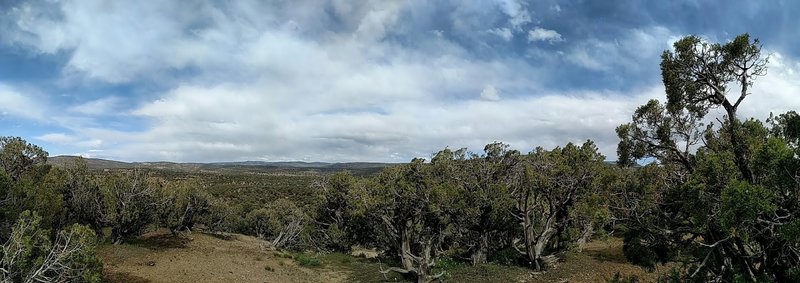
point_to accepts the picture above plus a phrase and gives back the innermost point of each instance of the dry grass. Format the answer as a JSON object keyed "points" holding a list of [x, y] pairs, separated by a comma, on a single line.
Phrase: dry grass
{"points": [[159, 257], [598, 262]]}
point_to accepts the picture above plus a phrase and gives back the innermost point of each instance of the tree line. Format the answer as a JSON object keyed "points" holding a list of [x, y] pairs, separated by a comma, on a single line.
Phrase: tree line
{"points": [[719, 198]]}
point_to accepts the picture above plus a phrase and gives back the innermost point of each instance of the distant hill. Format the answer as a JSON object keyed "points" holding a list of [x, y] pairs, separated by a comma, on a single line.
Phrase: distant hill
{"points": [[257, 166], [93, 163]]}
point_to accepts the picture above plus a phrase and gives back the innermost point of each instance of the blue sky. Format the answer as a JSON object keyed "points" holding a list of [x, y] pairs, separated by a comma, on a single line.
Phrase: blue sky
{"points": [[346, 80]]}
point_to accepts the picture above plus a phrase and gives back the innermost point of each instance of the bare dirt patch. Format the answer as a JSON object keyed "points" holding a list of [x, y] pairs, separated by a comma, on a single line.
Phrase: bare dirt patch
{"points": [[160, 257], [598, 262]]}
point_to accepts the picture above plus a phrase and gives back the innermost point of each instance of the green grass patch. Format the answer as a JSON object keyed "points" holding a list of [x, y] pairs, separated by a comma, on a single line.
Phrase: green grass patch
{"points": [[306, 260]]}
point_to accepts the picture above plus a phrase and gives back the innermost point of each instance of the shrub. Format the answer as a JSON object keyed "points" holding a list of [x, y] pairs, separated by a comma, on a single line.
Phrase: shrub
{"points": [[508, 256], [30, 256], [305, 260], [131, 202], [281, 222], [183, 203]]}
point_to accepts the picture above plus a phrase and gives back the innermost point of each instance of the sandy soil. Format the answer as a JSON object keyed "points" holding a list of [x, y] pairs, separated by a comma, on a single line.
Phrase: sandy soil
{"points": [[158, 257]]}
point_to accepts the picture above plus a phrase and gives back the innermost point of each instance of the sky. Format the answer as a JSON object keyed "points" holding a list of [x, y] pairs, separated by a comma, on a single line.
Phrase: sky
{"points": [[342, 80]]}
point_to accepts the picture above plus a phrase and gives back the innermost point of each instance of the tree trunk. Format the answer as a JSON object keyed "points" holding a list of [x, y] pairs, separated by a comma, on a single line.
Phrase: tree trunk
{"points": [[479, 255], [736, 142], [116, 236], [405, 247], [538, 243], [538, 248], [588, 230], [422, 269]]}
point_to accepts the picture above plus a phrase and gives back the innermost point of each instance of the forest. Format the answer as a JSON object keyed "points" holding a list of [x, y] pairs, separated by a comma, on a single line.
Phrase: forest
{"points": [[717, 197]]}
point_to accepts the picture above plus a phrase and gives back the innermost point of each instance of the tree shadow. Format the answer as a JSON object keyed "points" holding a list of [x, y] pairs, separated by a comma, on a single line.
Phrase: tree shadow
{"points": [[161, 242], [610, 254]]}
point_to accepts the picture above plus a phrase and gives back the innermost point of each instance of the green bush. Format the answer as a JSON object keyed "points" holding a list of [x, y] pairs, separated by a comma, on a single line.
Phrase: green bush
{"points": [[447, 263], [30, 255], [793, 274], [305, 260], [183, 203], [508, 256]]}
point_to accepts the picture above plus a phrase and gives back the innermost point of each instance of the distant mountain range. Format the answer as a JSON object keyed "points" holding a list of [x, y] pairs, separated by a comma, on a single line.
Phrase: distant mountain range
{"points": [[357, 167], [247, 166]]}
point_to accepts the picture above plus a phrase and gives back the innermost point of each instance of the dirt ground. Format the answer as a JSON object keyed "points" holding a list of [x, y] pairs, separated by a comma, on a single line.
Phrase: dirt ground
{"points": [[158, 257], [598, 262]]}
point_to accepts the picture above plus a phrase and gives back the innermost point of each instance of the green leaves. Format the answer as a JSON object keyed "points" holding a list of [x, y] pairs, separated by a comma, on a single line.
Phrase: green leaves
{"points": [[658, 133], [182, 204], [131, 202], [742, 204], [697, 75], [726, 194], [30, 256], [18, 156]]}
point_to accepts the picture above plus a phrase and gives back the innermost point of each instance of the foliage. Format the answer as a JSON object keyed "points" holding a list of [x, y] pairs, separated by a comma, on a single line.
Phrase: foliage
{"points": [[22, 169], [723, 207], [281, 222], [338, 228], [183, 203], [507, 256], [83, 197], [549, 204], [30, 256], [412, 215], [131, 201], [483, 199], [305, 260], [219, 217], [18, 157]]}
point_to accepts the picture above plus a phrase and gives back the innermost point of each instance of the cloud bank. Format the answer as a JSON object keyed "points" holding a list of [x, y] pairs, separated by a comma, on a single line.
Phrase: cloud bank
{"points": [[332, 80]]}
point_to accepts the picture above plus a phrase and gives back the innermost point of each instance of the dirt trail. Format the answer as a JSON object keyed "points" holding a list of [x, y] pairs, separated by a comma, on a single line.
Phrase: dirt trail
{"points": [[158, 257]]}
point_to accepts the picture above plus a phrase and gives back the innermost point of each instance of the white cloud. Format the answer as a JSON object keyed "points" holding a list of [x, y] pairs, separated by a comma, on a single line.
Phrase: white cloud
{"points": [[638, 49], [377, 22], [541, 34], [582, 57], [70, 140], [490, 93], [107, 42], [517, 13], [15, 104], [276, 83], [503, 33], [230, 123], [59, 138], [777, 92], [102, 106]]}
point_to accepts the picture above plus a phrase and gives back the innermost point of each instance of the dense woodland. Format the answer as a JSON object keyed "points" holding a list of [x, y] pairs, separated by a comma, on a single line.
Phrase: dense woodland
{"points": [[719, 196]]}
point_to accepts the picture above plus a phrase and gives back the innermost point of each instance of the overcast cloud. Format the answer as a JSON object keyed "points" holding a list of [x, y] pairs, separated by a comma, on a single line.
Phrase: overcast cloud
{"points": [[350, 80]]}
